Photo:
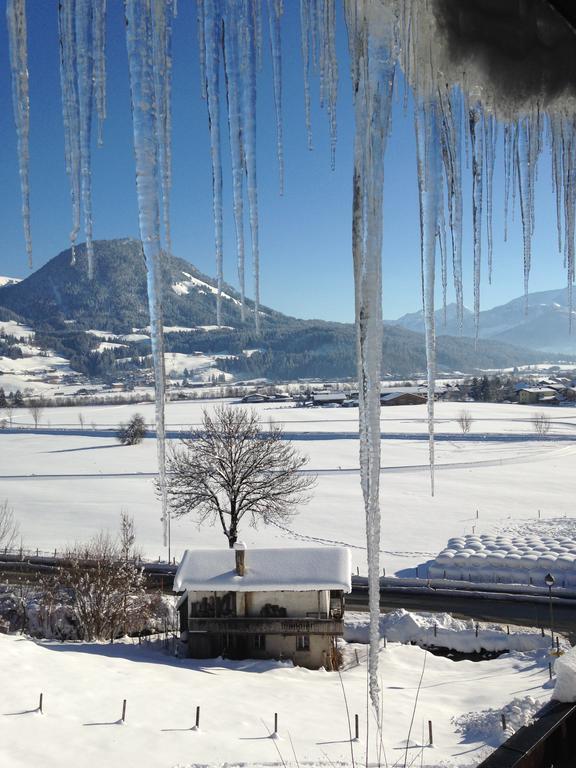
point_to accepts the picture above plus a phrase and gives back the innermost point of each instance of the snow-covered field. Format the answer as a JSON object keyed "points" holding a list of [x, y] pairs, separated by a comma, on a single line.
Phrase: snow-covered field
{"points": [[84, 685], [65, 486], [65, 483]]}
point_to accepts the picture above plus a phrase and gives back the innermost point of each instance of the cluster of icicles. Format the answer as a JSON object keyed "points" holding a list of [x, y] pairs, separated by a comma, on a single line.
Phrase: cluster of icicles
{"points": [[450, 119]]}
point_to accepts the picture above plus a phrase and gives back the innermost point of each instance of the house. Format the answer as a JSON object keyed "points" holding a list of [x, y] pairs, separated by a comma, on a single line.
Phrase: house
{"points": [[529, 395], [403, 398], [255, 397], [328, 398], [282, 603]]}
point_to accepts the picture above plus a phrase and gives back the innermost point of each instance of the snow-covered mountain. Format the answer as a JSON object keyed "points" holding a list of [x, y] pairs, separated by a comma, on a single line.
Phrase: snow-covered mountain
{"points": [[541, 322], [9, 280]]}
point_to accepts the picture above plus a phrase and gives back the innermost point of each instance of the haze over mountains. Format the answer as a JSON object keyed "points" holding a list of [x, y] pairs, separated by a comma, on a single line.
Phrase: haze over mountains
{"points": [[541, 322], [62, 303]]}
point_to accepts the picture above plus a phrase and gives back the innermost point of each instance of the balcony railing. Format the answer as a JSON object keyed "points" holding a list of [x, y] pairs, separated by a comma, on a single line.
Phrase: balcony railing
{"points": [[267, 626]]}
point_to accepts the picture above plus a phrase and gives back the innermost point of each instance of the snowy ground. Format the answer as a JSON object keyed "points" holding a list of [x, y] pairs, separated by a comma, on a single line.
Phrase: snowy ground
{"points": [[84, 686], [65, 486], [66, 483]]}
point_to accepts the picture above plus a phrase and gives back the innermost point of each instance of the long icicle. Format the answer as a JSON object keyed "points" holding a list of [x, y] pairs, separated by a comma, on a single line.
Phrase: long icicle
{"points": [[275, 11], [139, 33], [99, 56], [18, 43], [212, 36], [235, 129], [305, 45], [430, 187], [248, 62], [70, 110], [490, 139], [162, 17], [85, 79], [477, 153], [373, 79]]}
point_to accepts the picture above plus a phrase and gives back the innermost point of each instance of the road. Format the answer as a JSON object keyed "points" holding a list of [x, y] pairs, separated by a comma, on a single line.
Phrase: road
{"points": [[531, 610]]}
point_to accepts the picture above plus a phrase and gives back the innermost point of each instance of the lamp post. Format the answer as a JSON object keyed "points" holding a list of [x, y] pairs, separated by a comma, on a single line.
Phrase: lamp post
{"points": [[549, 580]]}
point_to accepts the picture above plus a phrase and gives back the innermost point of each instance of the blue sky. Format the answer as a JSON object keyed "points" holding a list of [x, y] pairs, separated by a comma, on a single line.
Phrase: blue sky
{"points": [[305, 235]]}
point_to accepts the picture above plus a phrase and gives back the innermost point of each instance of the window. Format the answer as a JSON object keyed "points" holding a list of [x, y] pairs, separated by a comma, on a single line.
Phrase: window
{"points": [[303, 643], [260, 642]]}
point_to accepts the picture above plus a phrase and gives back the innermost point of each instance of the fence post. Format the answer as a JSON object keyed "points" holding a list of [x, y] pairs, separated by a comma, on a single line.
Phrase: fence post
{"points": [[503, 716], [124, 710], [275, 723], [40, 703], [356, 728], [430, 734], [197, 726]]}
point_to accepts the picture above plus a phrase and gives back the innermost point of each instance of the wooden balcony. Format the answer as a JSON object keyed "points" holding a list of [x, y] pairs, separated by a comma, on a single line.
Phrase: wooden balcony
{"points": [[257, 625]]}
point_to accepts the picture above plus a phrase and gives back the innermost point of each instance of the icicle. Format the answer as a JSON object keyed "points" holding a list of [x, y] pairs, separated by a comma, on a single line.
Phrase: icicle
{"points": [[476, 152], [201, 45], [331, 75], [255, 20], [70, 110], [248, 81], [568, 176], [526, 154], [305, 40], [99, 56], [232, 69], [373, 78], [441, 235], [139, 23], [275, 11], [16, 20], [430, 186], [490, 138], [84, 72], [450, 106], [507, 174], [162, 16], [212, 37], [555, 126]]}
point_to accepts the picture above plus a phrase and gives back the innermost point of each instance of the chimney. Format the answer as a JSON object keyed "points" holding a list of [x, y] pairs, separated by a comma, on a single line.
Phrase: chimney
{"points": [[240, 552]]}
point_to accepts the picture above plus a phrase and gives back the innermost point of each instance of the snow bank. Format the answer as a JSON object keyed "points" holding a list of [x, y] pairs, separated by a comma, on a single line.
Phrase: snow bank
{"points": [[486, 725], [516, 559], [565, 668], [403, 627]]}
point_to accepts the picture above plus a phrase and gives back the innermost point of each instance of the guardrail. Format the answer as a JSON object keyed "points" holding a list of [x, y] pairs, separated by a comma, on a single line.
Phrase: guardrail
{"points": [[549, 743]]}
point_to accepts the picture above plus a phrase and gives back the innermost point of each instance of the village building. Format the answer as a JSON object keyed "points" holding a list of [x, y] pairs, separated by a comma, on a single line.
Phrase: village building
{"points": [[281, 603], [530, 395], [328, 398], [403, 398]]}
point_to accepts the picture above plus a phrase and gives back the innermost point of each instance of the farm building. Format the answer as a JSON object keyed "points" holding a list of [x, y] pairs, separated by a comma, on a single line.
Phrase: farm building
{"points": [[328, 398], [403, 398], [530, 395], [283, 603]]}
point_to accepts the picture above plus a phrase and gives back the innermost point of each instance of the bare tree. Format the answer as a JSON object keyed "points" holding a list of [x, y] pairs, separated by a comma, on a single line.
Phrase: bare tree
{"points": [[9, 528], [465, 421], [36, 409], [105, 585], [541, 423], [9, 408], [233, 469]]}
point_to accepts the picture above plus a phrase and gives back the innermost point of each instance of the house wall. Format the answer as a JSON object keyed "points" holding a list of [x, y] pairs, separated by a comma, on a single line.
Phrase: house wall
{"points": [[295, 603]]}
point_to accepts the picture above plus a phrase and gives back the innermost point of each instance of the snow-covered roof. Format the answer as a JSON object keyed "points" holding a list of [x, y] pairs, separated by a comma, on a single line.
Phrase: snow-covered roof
{"points": [[290, 569]]}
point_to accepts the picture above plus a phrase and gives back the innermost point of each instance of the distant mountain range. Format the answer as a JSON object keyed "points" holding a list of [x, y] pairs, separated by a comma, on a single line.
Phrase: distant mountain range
{"points": [[61, 303], [539, 323]]}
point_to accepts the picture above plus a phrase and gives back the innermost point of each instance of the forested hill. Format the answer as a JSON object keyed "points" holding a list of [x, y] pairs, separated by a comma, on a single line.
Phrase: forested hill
{"points": [[61, 303]]}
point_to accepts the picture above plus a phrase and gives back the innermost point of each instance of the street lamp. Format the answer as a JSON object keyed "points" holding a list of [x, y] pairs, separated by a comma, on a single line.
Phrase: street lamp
{"points": [[549, 580]]}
